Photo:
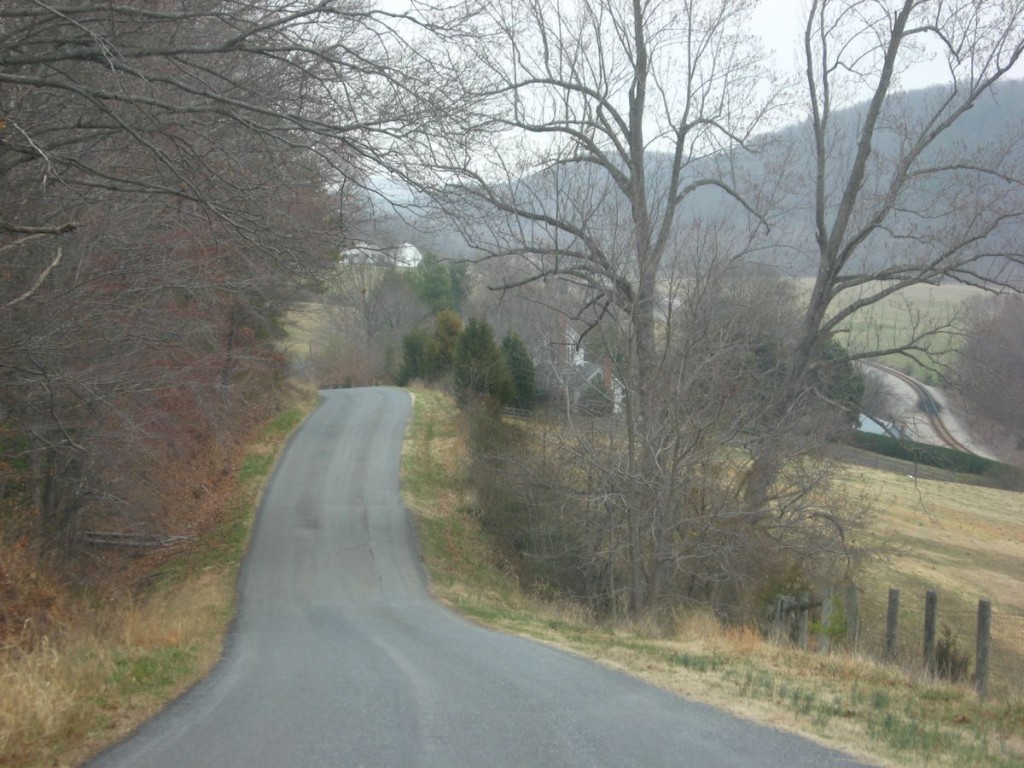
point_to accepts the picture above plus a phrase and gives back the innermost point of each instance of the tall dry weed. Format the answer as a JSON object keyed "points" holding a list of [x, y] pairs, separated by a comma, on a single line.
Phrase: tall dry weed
{"points": [[699, 624], [43, 693], [744, 640], [186, 617], [63, 697]]}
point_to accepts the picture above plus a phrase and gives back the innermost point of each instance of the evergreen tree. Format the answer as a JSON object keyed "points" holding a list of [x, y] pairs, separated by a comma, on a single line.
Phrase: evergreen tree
{"points": [[520, 368], [414, 357], [441, 352], [838, 380], [480, 367], [437, 285]]}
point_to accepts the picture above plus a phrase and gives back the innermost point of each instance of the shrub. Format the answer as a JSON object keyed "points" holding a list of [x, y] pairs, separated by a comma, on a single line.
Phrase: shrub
{"points": [[929, 455], [414, 357], [441, 348], [952, 662], [520, 368]]}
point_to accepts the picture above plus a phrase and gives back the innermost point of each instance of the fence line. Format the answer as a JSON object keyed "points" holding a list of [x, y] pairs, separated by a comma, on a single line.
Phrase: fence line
{"points": [[982, 647]]}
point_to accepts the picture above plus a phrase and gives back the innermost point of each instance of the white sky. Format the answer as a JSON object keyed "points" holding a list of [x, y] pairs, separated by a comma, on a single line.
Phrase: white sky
{"points": [[781, 24]]}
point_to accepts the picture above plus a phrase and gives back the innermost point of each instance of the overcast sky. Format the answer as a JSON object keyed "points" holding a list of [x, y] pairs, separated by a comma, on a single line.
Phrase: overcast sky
{"points": [[781, 24]]}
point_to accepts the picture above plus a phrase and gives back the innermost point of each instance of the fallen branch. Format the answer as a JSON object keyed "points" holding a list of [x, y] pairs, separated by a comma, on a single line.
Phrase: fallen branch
{"points": [[131, 540]]}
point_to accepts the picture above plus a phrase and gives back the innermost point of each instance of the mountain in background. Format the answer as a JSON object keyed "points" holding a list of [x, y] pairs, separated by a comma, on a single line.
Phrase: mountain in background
{"points": [[783, 166]]}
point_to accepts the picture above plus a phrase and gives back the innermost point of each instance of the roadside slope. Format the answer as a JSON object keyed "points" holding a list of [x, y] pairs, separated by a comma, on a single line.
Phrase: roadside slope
{"points": [[881, 712]]}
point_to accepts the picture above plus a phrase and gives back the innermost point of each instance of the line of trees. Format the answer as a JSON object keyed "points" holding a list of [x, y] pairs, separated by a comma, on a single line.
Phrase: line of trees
{"points": [[169, 177], [471, 361], [371, 305]]}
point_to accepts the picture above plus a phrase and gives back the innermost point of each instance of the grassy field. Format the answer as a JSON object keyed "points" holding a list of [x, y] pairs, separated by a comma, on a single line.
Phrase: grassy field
{"points": [[894, 320], [303, 323], [962, 540], [965, 542]]}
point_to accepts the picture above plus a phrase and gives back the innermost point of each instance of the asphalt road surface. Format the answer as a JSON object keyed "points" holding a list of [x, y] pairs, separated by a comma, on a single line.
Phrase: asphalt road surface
{"points": [[339, 657]]}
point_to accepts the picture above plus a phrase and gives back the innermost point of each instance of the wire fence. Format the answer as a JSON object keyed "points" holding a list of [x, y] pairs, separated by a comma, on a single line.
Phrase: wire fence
{"points": [[899, 633]]}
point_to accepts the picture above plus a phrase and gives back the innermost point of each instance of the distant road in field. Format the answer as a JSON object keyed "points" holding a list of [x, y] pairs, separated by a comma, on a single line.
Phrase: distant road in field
{"points": [[339, 656], [926, 413]]}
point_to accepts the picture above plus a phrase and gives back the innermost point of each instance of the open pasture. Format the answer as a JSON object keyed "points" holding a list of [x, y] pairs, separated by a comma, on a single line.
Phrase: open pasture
{"points": [[898, 318], [966, 542]]}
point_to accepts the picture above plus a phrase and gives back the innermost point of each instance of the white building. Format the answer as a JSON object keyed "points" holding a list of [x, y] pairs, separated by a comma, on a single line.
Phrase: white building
{"points": [[404, 256]]}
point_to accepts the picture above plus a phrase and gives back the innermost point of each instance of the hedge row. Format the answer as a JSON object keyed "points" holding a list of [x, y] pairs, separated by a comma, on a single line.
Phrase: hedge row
{"points": [[929, 455]]}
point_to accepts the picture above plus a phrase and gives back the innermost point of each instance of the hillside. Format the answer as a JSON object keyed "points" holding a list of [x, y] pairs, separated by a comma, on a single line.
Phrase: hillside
{"points": [[782, 160], [966, 542]]}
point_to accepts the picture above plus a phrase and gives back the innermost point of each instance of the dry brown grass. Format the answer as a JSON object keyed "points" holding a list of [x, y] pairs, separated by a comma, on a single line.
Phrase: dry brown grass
{"points": [[965, 541], [62, 699], [107, 660], [305, 322]]}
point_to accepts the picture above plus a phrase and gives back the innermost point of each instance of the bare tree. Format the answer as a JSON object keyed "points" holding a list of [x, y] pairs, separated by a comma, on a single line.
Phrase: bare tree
{"points": [[87, 80], [600, 116], [598, 126], [169, 171], [576, 492], [624, 179], [899, 196], [368, 309], [613, 154]]}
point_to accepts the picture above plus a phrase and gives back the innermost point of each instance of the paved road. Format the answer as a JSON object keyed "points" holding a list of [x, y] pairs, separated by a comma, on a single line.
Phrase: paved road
{"points": [[338, 656], [906, 409]]}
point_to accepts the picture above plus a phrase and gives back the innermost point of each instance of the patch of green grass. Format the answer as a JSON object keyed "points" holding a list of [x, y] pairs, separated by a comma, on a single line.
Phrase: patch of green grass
{"points": [[753, 681], [896, 319], [698, 662], [880, 700], [455, 544], [914, 732], [945, 693], [255, 466], [286, 422], [151, 671], [489, 613]]}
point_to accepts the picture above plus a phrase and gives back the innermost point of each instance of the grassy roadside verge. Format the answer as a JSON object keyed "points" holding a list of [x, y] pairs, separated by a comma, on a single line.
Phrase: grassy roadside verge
{"points": [[878, 713], [109, 666]]}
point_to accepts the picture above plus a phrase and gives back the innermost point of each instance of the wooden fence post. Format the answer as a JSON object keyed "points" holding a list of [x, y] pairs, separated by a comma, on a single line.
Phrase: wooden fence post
{"points": [[802, 620], [892, 618], [984, 647], [824, 636], [931, 605], [779, 626], [852, 617]]}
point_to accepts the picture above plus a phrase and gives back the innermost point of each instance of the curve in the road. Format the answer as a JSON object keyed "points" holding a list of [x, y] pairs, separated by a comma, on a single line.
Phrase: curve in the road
{"points": [[931, 409], [339, 657]]}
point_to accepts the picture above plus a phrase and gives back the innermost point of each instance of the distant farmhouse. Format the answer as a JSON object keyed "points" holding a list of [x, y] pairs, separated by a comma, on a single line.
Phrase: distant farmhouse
{"points": [[588, 386], [404, 256]]}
